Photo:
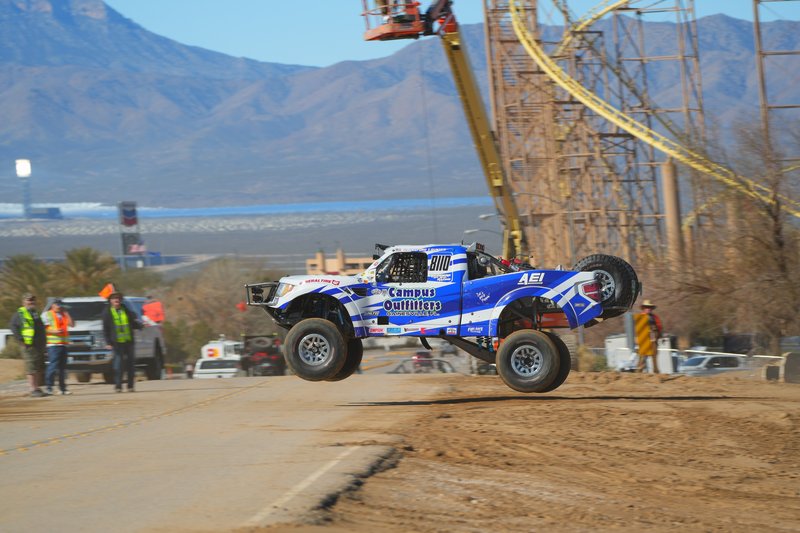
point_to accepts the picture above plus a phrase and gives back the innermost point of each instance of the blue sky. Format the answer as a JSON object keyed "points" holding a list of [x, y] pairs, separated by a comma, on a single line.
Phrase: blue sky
{"points": [[323, 32]]}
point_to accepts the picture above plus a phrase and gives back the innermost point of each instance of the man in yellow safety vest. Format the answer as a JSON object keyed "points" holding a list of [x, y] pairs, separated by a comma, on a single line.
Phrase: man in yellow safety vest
{"points": [[119, 322], [57, 323], [27, 327]]}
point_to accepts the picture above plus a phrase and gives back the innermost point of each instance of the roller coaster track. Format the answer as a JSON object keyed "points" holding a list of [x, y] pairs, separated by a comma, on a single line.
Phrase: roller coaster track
{"points": [[601, 107], [574, 28]]}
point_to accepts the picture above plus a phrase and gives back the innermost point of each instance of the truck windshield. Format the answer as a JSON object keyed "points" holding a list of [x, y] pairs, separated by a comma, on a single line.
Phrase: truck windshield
{"points": [[85, 310]]}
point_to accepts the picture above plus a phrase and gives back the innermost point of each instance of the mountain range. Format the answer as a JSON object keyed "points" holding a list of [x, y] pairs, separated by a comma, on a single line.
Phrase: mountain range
{"points": [[108, 111]]}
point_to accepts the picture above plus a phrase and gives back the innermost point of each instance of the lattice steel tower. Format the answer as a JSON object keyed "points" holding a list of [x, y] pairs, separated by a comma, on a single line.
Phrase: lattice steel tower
{"points": [[583, 184]]}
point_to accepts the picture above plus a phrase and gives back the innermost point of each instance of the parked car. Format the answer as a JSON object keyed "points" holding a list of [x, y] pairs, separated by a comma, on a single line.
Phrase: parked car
{"points": [[270, 364], [217, 368], [262, 355], [709, 365]]}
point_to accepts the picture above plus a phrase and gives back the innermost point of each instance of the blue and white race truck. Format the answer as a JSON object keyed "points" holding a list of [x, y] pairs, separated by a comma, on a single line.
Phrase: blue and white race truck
{"points": [[498, 312]]}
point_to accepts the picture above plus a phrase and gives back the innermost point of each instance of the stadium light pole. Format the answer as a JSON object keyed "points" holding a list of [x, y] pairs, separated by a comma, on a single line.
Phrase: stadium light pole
{"points": [[24, 174]]}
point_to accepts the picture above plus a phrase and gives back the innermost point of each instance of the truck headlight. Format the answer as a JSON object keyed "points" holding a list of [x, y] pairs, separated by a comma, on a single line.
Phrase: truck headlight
{"points": [[282, 290]]}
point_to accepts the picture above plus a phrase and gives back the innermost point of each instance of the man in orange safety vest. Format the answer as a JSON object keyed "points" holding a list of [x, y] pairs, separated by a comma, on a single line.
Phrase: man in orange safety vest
{"points": [[57, 323]]}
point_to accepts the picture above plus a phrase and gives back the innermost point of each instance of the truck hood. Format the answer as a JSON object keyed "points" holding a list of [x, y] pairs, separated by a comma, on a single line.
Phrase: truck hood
{"points": [[87, 325], [336, 281]]}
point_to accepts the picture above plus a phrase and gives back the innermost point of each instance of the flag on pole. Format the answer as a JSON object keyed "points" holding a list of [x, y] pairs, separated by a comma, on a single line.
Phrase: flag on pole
{"points": [[107, 291]]}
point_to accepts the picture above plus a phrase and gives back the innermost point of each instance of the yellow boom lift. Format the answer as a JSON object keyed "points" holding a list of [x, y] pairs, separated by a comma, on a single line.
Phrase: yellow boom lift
{"points": [[390, 20]]}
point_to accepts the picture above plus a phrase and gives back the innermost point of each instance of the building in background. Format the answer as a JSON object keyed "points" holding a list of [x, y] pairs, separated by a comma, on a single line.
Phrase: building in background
{"points": [[338, 265]]}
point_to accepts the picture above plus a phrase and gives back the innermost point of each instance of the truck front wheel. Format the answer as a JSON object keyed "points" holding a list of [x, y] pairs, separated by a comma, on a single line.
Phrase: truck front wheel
{"points": [[315, 349], [528, 361], [355, 352]]}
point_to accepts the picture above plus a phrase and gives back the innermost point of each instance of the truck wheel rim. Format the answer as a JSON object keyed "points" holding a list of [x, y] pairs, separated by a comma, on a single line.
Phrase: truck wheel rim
{"points": [[527, 361], [314, 349], [606, 281]]}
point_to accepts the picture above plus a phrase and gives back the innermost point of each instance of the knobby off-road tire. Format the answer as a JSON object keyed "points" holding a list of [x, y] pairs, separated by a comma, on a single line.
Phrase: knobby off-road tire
{"points": [[564, 362], [528, 361], [619, 285], [315, 349], [355, 352]]}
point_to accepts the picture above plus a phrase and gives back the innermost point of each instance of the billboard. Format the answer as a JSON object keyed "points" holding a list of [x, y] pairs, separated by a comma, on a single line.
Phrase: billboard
{"points": [[127, 214], [132, 244]]}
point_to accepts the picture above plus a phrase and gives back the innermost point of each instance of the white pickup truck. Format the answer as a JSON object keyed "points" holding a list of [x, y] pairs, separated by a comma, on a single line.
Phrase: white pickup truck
{"points": [[87, 352]]}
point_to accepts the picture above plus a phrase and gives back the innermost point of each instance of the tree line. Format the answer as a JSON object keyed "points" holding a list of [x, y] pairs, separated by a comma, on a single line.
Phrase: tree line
{"points": [[198, 307]]}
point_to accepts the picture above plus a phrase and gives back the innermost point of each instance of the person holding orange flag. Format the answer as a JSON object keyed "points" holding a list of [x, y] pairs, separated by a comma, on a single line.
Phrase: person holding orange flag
{"points": [[57, 323]]}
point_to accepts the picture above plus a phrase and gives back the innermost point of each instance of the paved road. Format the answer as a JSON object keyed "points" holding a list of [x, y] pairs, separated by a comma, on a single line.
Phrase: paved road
{"points": [[197, 454]]}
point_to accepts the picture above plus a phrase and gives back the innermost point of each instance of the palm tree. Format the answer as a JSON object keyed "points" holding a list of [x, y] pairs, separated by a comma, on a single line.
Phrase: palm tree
{"points": [[84, 272], [18, 275]]}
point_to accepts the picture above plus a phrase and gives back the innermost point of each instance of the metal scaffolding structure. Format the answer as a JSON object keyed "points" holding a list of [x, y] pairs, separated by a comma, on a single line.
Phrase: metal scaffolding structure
{"points": [[774, 111], [582, 183]]}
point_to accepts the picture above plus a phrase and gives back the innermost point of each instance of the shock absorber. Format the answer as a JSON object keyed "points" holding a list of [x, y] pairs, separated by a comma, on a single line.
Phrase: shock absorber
{"points": [[485, 342]]}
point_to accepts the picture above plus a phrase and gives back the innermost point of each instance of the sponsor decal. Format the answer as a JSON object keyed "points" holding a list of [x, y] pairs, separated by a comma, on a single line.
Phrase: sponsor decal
{"points": [[411, 302], [483, 297], [370, 313], [411, 293], [394, 331], [442, 277], [440, 263], [452, 331], [321, 280], [408, 330], [375, 292], [376, 331], [474, 329], [533, 278]]}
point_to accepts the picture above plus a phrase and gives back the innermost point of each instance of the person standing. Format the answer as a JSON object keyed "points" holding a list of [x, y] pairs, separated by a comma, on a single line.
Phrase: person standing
{"points": [[27, 327], [648, 331], [57, 323], [119, 323]]}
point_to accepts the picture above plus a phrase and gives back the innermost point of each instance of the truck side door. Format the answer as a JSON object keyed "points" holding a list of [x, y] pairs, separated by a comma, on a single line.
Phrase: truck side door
{"points": [[411, 302]]}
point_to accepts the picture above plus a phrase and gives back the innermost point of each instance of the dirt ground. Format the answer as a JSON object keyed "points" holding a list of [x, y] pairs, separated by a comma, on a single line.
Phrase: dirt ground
{"points": [[605, 452], [11, 370]]}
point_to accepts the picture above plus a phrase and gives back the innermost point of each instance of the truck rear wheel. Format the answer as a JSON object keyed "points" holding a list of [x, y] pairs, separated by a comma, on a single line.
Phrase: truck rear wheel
{"points": [[355, 352], [619, 285], [528, 361], [315, 349], [564, 362]]}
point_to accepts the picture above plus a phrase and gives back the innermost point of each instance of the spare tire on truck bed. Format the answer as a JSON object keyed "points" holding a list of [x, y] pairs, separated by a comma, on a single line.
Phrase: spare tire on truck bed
{"points": [[619, 285]]}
